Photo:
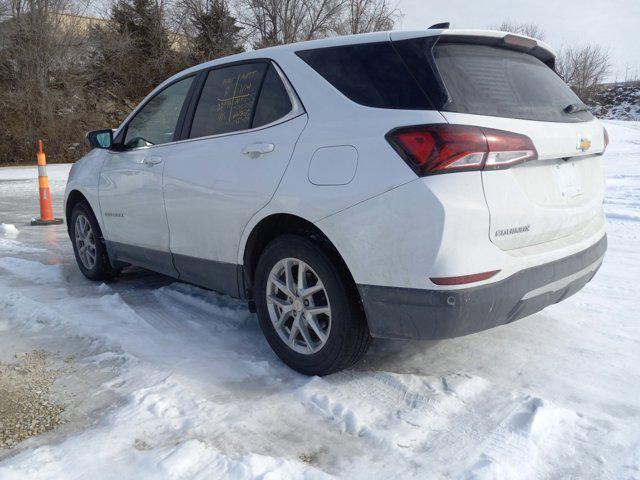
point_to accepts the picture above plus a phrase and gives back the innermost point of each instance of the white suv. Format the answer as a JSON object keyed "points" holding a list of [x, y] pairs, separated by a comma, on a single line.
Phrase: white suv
{"points": [[422, 184]]}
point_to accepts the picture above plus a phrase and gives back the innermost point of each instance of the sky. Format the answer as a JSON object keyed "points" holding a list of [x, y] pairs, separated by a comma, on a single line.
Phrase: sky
{"points": [[614, 24]]}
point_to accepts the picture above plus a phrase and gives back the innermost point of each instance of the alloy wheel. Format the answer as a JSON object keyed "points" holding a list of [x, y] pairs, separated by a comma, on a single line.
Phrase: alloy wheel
{"points": [[298, 306], [85, 242]]}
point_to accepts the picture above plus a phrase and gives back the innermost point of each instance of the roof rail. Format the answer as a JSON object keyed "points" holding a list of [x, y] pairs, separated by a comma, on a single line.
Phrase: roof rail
{"points": [[439, 25]]}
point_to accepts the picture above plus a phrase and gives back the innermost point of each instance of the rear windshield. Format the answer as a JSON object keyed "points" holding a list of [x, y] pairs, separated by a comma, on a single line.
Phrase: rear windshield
{"points": [[371, 74], [414, 74], [494, 81]]}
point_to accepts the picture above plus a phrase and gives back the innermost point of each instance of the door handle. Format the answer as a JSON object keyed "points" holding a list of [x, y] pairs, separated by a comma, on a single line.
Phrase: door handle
{"points": [[256, 149], [154, 160]]}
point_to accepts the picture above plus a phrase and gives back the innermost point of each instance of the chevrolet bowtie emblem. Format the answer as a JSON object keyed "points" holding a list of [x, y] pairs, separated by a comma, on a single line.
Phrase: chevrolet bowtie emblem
{"points": [[584, 144]]}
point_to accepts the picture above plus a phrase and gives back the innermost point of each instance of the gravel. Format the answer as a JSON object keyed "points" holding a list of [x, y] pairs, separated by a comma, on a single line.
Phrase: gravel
{"points": [[26, 406]]}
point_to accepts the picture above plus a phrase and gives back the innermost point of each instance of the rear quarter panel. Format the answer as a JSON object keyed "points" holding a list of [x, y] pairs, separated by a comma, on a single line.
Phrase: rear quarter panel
{"points": [[336, 121]]}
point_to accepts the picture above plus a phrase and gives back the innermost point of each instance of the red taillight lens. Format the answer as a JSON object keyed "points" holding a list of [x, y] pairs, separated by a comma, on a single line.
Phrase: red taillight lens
{"points": [[606, 138], [435, 148], [442, 148]]}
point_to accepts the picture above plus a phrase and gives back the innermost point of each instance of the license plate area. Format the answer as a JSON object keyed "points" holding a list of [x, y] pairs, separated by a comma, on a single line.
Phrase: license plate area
{"points": [[568, 179]]}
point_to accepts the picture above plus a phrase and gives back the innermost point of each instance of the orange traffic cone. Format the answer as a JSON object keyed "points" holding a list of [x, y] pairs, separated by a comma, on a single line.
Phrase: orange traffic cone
{"points": [[46, 210]]}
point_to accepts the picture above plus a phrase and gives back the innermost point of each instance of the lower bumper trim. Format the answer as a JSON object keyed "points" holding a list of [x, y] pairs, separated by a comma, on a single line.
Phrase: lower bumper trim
{"points": [[394, 312]]}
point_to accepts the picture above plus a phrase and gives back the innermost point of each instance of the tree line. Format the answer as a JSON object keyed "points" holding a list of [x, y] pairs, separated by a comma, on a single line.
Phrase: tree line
{"points": [[63, 71], [66, 68]]}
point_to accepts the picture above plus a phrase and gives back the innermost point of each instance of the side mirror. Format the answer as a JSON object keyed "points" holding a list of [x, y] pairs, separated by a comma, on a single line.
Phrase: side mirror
{"points": [[100, 139]]}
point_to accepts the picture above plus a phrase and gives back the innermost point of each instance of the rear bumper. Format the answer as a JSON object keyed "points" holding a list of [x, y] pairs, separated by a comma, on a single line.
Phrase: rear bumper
{"points": [[435, 314]]}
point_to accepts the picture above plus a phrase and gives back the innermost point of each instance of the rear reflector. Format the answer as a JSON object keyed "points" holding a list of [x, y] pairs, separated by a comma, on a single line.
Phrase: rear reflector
{"points": [[461, 280], [443, 148]]}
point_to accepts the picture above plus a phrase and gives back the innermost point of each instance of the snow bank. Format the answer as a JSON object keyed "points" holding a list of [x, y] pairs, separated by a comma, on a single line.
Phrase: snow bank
{"points": [[8, 230]]}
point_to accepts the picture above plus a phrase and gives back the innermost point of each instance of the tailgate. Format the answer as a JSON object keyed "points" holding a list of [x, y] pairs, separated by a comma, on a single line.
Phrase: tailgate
{"points": [[557, 195]]}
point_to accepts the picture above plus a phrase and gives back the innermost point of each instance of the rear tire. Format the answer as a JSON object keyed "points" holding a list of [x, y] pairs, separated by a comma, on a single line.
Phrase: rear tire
{"points": [[320, 307], [88, 245]]}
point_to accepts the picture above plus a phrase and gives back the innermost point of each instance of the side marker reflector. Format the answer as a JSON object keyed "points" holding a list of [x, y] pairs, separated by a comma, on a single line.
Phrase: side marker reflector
{"points": [[463, 279]]}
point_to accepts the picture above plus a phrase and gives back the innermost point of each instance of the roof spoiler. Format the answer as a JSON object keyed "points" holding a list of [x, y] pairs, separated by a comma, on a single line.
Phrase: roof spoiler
{"points": [[436, 26]]}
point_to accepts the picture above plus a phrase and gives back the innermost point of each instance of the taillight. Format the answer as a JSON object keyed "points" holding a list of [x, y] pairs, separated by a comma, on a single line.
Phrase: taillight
{"points": [[443, 148], [606, 138]]}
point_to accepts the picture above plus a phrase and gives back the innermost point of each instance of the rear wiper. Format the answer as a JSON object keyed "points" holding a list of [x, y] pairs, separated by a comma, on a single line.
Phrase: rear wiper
{"points": [[576, 107]]}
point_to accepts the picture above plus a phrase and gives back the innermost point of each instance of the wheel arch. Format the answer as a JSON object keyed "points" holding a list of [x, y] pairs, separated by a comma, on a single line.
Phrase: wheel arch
{"points": [[74, 197], [275, 225]]}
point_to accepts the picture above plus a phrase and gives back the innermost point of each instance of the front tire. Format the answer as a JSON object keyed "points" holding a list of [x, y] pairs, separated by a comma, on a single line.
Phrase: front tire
{"points": [[88, 244], [307, 307]]}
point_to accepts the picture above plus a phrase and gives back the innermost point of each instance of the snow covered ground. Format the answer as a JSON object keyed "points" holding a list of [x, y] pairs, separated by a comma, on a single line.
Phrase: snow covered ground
{"points": [[165, 380]]}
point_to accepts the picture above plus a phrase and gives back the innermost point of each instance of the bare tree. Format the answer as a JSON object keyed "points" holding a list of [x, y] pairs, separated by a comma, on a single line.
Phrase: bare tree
{"points": [[4, 9], [363, 16], [276, 22], [522, 28], [63, 73], [40, 89], [583, 68]]}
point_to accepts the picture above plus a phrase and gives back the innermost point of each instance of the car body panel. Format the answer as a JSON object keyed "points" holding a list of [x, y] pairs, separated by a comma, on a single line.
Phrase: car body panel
{"points": [[84, 177], [435, 227], [556, 195], [212, 189], [132, 205]]}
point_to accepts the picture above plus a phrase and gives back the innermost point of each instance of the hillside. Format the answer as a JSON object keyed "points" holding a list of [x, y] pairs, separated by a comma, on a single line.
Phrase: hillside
{"points": [[618, 101]]}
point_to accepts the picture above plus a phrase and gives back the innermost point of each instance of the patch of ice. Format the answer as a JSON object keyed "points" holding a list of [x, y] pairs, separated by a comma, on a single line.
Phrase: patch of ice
{"points": [[10, 246], [33, 271]]}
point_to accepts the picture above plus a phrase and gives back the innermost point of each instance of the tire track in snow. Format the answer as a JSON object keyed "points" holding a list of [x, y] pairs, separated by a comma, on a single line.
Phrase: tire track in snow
{"points": [[475, 427], [514, 435], [395, 411]]}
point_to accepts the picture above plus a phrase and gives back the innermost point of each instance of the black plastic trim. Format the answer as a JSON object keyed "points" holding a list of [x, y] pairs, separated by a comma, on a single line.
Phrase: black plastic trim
{"points": [[219, 276], [394, 312], [222, 277], [156, 260], [194, 96]]}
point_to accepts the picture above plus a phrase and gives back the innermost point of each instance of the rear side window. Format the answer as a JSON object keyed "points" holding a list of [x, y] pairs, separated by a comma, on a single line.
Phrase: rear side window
{"points": [[274, 102], [371, 74], [228, 99], [494, 81]]}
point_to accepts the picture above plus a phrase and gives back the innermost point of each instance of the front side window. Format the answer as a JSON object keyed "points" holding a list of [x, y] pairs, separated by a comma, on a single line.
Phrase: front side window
{"points": [[228, 100], [156, 122]]}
